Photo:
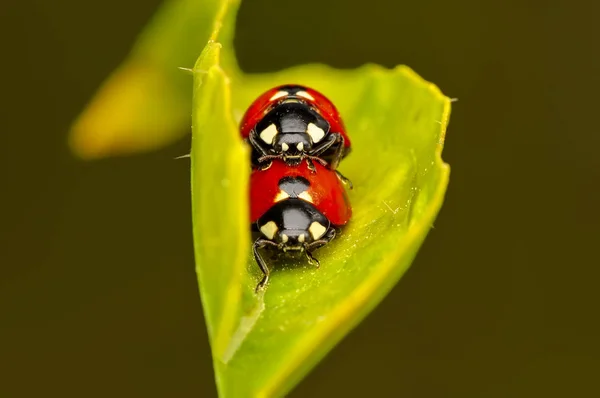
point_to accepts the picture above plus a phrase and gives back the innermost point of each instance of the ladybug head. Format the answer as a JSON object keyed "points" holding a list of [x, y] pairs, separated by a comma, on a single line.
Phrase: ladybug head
{"points": [[292, 147], [292, 129], [293, 224]]}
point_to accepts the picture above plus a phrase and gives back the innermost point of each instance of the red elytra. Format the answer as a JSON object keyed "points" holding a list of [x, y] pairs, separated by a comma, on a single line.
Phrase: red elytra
{"points": [[323, 189], [271, 98]]}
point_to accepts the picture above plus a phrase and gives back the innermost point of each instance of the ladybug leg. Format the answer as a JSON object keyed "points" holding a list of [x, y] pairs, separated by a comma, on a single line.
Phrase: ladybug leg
{"points": [[309, 248], [263, 151], [311, 259], [339, 152], [318, 159], [257, 143], [345, 179], [268, 158], [337, 157], [332, 139], [259, 244], [311, 165], [328, 237], [265, 165]]}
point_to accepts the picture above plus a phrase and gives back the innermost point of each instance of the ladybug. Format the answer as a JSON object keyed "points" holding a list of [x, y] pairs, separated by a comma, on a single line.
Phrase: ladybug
{"points": [[293, 123], [294, 209]]}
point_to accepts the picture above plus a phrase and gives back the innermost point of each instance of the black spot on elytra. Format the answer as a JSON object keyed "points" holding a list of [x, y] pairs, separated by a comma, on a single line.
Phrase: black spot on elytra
{"points": [[294, 186]]}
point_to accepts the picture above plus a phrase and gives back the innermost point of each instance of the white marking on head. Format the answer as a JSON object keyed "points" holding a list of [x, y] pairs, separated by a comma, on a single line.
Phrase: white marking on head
{"points": [[305, 95], [301, 238], [284, 147], [284, 238], [300, 146], [278, 94], [317, 230], [315, 132], [268, 134], [306, 196], [281, 196], [269, 229]]}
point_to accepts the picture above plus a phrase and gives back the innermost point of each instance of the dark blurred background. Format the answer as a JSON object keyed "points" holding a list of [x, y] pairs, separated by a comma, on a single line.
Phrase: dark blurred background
{"points": [[98, 294]]}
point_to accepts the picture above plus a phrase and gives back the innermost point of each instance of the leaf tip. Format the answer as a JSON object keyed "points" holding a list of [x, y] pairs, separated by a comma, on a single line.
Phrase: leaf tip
{"points": [[133, 111]]}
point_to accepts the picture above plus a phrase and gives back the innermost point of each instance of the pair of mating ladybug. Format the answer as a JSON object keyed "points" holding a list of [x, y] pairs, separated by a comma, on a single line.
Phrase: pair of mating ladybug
{"points": [[297, 199]]}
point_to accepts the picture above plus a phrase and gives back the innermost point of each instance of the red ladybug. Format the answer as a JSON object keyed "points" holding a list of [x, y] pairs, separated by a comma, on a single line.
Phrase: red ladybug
{"points": [[294, 123], [295, 209]]}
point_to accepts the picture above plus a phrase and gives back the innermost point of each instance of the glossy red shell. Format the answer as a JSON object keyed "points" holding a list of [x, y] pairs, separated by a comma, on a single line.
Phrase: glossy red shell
{"points": [[326, 190], [264, 104]]}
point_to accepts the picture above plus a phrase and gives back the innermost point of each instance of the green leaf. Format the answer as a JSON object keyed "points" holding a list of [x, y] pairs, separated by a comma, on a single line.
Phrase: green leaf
{"points": [[263, 344]]}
